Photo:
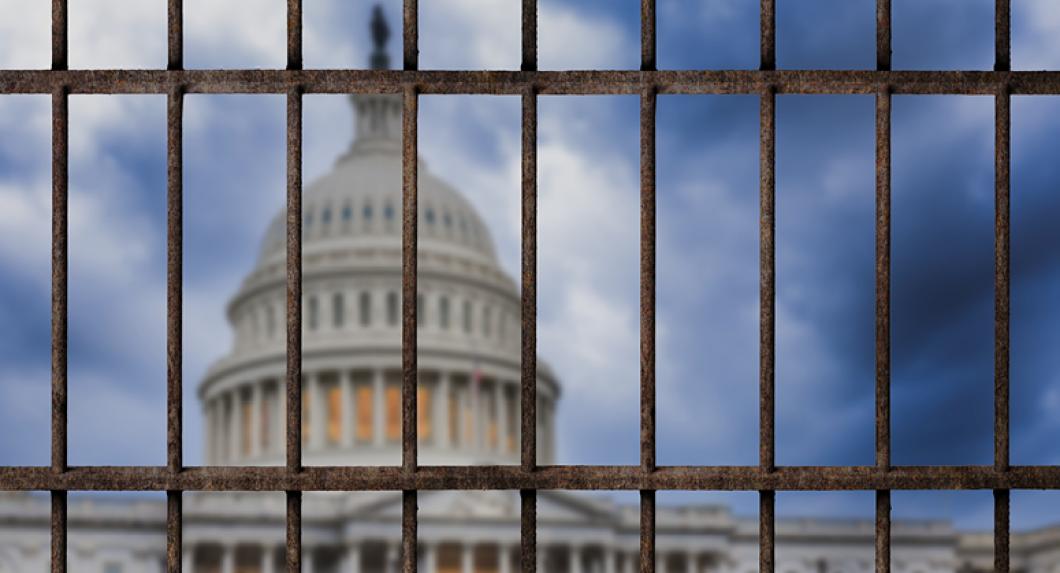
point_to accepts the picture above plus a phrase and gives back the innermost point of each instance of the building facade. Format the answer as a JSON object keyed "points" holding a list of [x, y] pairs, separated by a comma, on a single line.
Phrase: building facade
{"points": [[469, 412]]}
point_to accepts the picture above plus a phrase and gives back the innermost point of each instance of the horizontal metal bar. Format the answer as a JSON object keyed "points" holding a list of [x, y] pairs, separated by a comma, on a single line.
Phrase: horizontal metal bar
{"points": [[517, 82], [394, 478]]}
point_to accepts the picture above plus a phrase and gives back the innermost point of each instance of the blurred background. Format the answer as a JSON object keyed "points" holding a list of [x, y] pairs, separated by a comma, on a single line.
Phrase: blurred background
{"points": [[588, 272]]}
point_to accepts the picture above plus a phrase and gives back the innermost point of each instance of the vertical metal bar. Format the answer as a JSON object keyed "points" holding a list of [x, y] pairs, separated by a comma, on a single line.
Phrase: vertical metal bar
{"points": [[648, 59], [529, 36], [1002, 35], [647, 531], [409, 130], [176, 34], [768, 25], [883, 35], [647, 279], [767, 321], [883, 323], [528, 361], [1002, 296], [294, 324], [59, 35], [528, 530], [411, 29], [60, 194], [174, 313], [294, 34]]}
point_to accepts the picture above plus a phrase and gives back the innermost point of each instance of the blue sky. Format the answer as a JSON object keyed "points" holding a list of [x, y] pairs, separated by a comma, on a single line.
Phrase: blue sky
{"points": [[708, 217]]}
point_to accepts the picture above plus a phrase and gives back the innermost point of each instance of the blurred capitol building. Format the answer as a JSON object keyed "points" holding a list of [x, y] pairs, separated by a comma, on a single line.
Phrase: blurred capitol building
{"points": [[469, 356]]}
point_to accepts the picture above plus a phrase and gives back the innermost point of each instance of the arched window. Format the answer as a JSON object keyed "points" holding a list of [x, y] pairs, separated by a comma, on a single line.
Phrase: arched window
{"points": [[326, 217], [447, 220], [314, 313], [392, 309], [366, 308], [338, 310], [388, 212], [347, 213], [430, 216], [443, 312], [367, 213], [467, 316]]}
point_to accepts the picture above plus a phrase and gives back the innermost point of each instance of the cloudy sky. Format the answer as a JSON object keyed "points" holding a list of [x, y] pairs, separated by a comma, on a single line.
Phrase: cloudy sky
{"points": [[588, 171]]}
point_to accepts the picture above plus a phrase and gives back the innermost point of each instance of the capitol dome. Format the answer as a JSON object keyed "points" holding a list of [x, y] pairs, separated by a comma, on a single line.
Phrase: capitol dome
{"points": [[469, 326]]}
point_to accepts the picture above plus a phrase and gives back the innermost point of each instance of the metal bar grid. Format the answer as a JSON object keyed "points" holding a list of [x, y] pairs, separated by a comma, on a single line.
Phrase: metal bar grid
{"points": [[528, 477]]}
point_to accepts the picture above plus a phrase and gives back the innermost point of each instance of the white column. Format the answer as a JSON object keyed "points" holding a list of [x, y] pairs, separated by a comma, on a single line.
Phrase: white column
{"points": [[441, 410], [316, 411], [467, 559], [660, 561], [542, 554], [255, 418], [268, 559], [391, 563], [353, 559], [211, 430], [575, 559], [501, 412], [235, 434], [609, 559], [228, 559], [307, 560], [690, 562], [627, 562], [379, 413], [429, 555], [187, 559], [280, 426], [346, 391], [504, 555]]}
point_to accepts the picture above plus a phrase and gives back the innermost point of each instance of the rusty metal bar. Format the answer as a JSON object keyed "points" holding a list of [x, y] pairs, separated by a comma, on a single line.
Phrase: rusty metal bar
{"points": [[513, 477], [409, 154], [883, 35], [174, 531], [1002, 35], [647, 531], [410, 24], [648, 43], [176, 34], [768, 25], [767, 320], [60, 262], [1001, 530], [529, 62], [409, 557], [883, 324], [647, 280], [528, 359], [174, 314], [1002, 296], [528, 530], [294, 327], [574, 82], [60, 43], [294, 34]]}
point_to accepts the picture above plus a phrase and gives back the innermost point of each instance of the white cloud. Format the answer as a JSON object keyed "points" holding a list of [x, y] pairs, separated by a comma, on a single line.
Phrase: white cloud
{"points": [[1036, 27]]}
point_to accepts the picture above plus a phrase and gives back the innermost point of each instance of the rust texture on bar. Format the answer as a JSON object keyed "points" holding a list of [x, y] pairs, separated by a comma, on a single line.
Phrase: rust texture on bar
{"points": [[408, 279], [408, 531], [883, 531], [766, 530], [529, 62], [174, 533], [176, 34], [647, 531], [647, 280], [294, 532], [572, 82], [1001, 531], [528, 358], [883, 35], [528, 531], [768, 25], [1002, 35], [58, 532], [410, 24], [767, 269], [60, 44], [1002, 268], [648, 58], [174, 279], [294, 281], [60, 195], [294, 34], [513, 477], [883, 279]]}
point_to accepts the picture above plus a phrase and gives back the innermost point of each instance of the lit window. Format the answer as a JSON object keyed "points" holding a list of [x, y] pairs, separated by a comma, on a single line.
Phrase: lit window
{"points": [[393, 412], [364, 412], [467, 316], [366, 308], [454, 418], [338, 310], [423, 411], [314, 313], [392, 314], [334, 414], [491, 425], [443, 312]]}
